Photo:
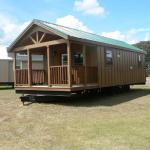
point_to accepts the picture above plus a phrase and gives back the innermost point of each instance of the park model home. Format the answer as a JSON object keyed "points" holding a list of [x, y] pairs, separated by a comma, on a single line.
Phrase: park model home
{"points": [[73, 60]]}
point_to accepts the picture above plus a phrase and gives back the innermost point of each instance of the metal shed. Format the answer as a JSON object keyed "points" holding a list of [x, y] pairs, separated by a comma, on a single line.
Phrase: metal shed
{"points": [[6, 71]]}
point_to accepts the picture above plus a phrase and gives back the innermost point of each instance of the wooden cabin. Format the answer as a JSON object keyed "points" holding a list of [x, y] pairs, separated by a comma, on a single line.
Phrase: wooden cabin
{"points": [[73, 60]]}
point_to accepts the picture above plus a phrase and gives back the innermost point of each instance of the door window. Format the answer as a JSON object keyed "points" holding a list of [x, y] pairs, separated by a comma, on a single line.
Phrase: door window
{"points": [[64, 59]]}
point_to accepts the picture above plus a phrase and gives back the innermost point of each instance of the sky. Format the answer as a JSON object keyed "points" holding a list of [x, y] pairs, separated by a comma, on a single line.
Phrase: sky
{"points": [[123, 20]]}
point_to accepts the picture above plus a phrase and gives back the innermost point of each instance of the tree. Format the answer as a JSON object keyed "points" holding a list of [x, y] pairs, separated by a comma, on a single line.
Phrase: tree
{"points": [[145, 45]]}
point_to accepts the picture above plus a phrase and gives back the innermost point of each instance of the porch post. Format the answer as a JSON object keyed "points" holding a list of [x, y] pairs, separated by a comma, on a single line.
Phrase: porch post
{"points": [[29, 68], [85, 64], [48, 64], [69, 64], [14, 68], [45, 67]]}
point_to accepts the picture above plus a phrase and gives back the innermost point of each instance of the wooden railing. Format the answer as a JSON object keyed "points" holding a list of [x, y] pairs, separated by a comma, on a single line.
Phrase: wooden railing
{"points": [[21, 76], [78, 74], [58, 75], [39, 77]]}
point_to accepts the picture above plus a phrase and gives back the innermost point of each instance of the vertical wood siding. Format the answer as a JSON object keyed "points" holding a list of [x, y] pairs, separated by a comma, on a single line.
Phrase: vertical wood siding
{"points": [[124, 70]]}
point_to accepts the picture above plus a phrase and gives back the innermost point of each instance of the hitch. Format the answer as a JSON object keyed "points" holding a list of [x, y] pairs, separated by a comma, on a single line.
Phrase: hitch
{"points": [[28, 98]]}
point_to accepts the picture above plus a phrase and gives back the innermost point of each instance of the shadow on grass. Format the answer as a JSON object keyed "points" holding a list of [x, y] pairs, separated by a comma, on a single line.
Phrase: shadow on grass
{"points": [[6, 88], [92, 100]]}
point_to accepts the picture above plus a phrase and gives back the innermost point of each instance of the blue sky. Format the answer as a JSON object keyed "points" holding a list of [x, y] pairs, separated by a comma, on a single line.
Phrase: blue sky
{"points": [[124, 20]]}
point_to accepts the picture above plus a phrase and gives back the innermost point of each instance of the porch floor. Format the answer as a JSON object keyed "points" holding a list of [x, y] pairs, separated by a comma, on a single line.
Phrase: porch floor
{"points": [[54, 88], [63, 86]]}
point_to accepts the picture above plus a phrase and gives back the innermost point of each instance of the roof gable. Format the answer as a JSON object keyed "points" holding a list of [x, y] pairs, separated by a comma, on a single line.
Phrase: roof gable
{"points": [[29, 32]]}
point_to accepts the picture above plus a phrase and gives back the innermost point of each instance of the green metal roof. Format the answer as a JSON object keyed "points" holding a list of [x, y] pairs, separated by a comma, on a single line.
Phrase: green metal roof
{"points": [[66, 31]]}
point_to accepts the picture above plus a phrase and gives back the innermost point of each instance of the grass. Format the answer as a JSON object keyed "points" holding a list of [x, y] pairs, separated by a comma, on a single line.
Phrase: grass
{"points": [[116, 122], [5, 87]]}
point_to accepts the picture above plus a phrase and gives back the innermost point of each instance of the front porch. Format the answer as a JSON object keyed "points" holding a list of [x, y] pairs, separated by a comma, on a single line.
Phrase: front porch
{"points": [[65, 65], [45, 59]]}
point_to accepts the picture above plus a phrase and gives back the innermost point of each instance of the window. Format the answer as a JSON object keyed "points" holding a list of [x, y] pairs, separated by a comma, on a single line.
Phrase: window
{"points": [[139, 60], [78, 58], [108, 56], [18, 64], [21, 60], [22, 54]]}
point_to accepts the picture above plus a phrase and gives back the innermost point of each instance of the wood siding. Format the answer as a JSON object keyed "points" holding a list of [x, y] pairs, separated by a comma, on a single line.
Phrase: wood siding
{"points": [[124, 69]]}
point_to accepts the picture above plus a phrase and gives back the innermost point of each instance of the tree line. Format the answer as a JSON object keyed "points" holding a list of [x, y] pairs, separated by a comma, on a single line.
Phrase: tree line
{"points": [[145, 45]]}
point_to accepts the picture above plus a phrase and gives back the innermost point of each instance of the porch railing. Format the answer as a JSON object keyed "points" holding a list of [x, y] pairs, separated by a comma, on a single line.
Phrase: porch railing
{"points": [[78, 74], [21, 76], [39, 77], [58, 75]]}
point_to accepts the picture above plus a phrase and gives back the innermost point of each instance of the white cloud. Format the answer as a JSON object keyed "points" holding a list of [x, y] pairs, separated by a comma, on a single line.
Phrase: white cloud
{"points": [[147, 36], [91, 7], [9, 30], [3, 52], [71, 21], [131, 36], [115, 35]]}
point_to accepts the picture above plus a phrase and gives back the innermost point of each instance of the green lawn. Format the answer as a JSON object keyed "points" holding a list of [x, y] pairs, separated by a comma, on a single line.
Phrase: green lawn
{"points": [[117, 122]]}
